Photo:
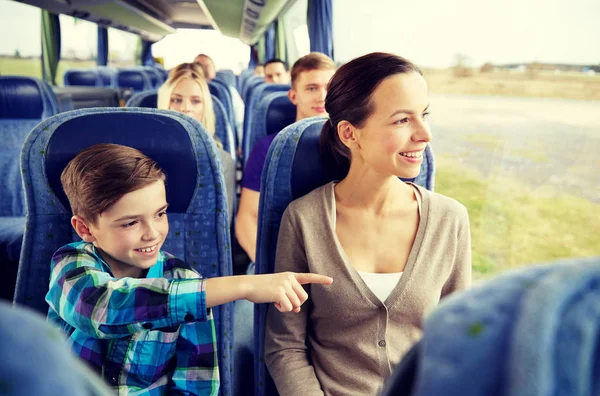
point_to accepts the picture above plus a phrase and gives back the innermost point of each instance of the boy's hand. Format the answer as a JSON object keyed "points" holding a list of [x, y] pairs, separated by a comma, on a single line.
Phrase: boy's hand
{"points": [[283, 289]]}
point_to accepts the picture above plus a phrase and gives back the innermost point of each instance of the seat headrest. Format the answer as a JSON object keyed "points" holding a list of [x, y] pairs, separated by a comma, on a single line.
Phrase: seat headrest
{"points": [[82, 77], [26, 98], [135, 79], [160, 137], [310, 170], [281, 113], [144, 99], [106, 75]]}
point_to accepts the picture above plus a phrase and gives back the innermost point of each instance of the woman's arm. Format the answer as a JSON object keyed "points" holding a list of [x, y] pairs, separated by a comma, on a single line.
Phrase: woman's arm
{"points": [[286, 352]]}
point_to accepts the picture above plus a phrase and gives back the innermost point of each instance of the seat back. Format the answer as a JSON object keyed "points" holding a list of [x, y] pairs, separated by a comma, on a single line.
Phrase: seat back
{"points": [[133, 78], [82, 77], [223, 130], [221, 91], [24, 102], [227, 77], [540, 325], [147, 99], [251, 83], [106, 75], [198, 219], [154, 75], [242, 78], [274, 112], [293, 168], [256, 96]]}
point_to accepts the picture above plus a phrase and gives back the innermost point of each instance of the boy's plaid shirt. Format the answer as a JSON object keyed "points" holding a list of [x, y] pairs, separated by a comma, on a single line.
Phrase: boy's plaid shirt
{"points": [[150, 336]]}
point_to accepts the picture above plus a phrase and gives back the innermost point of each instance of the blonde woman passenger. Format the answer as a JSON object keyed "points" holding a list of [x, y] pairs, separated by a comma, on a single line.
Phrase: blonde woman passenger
{"points": [[394, 248], [186, 91]]}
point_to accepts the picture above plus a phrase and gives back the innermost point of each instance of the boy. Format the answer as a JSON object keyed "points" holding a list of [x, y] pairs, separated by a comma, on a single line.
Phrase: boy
{"points": [[310, 75], [136, 314]]}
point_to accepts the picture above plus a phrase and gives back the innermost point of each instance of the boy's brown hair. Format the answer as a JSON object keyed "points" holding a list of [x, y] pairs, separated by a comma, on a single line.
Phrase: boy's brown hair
{"points": [[101, 174], [312, 61]]}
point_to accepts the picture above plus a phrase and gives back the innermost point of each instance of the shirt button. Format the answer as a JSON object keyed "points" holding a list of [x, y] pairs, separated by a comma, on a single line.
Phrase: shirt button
{"points": [[147, 326], [113, 380], [189, 318], [382, 343]]}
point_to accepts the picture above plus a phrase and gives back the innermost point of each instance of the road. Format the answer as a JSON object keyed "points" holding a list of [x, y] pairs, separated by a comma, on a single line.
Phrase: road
{"points": [[540, 142]]}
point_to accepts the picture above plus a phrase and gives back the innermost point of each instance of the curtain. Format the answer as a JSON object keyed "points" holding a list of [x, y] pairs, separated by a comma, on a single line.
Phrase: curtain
{"points": [[50, 46], [320, 26], [102, 59]]}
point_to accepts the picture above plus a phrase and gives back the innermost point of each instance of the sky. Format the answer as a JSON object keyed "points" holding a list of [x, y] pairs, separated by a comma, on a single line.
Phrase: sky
{"points": [[431, 33]]}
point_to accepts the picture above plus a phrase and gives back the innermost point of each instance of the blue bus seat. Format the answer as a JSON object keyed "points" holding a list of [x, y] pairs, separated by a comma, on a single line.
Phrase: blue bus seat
{"points": [[254, 99], [24, 102], [249, 86], [274, 112], [221, 91], [293, 168], [227, 77], [82, 77], [106, 75], [222, 128], [242, 78], [133, 78], [198, 218], [539, 325], [147, 99], [155, 76]]}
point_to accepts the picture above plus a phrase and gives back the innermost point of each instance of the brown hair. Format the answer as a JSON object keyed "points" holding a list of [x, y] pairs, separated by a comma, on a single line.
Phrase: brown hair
{"points": [[349, 97], [312, 61], [101, 174]]}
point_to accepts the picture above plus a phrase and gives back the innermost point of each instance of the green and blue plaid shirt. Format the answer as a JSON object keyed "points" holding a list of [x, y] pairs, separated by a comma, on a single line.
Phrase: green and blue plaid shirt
{"points": [[150, 336]]}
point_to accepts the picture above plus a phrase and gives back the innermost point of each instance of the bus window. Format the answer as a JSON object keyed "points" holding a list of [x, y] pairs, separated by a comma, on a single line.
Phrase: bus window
{"points": [[79, 45], [296, 31], [121, 48], [513, 115], [19, 52], [185, 44]]}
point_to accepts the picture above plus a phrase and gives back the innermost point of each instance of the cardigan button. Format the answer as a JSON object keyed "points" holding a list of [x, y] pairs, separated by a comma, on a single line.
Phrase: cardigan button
{"points": [[382, 343]]}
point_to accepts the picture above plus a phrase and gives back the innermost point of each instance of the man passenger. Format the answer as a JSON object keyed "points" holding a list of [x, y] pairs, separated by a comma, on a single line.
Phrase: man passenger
{"points": [[310, 75], [208, 66], [276, 72]]}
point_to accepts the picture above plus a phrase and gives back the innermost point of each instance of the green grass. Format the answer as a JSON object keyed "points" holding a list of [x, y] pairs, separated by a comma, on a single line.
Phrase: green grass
{"points": [[513, 226]]}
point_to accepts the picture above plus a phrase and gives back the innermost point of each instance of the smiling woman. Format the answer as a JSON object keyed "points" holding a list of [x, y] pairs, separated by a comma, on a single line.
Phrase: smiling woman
{"points": [[390, 239]]}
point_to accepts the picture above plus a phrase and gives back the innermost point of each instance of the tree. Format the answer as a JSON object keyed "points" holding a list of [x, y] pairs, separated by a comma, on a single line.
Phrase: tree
{"points": [[17, 53], [461, 66]]}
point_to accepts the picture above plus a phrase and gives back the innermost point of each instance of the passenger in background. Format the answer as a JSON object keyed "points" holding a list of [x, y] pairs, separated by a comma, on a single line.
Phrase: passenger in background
{"points": [[394, 248], [208, 66], [210, 72], [137, 315], [186, 91], [310, 75], [276, 72], [259, 70]]}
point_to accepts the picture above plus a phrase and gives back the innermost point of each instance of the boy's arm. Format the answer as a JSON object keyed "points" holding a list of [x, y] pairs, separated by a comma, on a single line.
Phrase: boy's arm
{"points": [[89, 299], [197, 370]]}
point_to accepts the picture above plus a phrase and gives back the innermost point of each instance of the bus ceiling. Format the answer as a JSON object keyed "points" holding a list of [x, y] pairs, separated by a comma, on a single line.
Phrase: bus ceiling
{"points": [[246, 20]]}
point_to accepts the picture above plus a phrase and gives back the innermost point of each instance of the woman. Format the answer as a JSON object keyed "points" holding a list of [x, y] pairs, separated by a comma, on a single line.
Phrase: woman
{"points": [[186, 91], [393, 248]]}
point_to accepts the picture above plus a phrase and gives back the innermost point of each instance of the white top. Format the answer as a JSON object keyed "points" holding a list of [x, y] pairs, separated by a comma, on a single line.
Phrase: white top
{"points": [[381, 284]]}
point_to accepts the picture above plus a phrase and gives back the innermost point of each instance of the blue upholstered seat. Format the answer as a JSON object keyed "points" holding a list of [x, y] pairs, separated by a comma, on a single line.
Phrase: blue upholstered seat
{"points": [[222, 127], [198, 219], [532, 331], [133, 78], [293, 168], [255, 98], [82, 77], [24, 102], [274, 112]]}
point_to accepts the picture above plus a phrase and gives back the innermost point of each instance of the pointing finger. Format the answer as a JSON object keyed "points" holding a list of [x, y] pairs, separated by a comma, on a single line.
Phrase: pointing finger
{"points": [[304, 278]]}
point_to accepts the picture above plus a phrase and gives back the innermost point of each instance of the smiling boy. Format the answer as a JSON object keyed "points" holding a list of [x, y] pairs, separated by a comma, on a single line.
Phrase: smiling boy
{"points": [[139, 316]]}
